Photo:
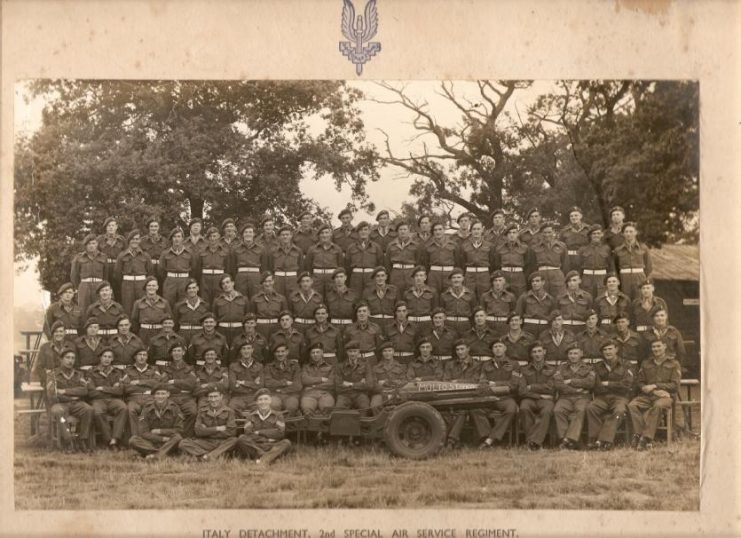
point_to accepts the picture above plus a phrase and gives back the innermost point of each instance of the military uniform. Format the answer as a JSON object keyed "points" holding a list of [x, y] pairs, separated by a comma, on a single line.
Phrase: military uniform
{"points": [[552, 263], [138, 385], [401, 259], [458, 308], [208, 440], [498, 306], [574, 238], [287, 263], [247, 262], [106, 316], [341, 307], [388, 376], [217, 376], [530, 236], [369, 336], [267, 306], [154, 246], [535, 310], [72, 402], [479, 340], [181, 379], [630, 348], [518, 349], [202, 341], [344, 236], [590, 341], [671, 336], [537, 391], [634, 265], [503, 378], [356, 396], [188, 317], [259, 345], [595, 261], [403, 337], [381, 302], [609, 307], [476, 260], [195, 244], [229, 312], [516, 261], [573, 397], [556, 345], [329, 336], [610, 403], [462, 371], [382, 237], [87, 349], [361, 259], [642, 318], [429, 370], [130, 272], [666, 376], [245, 378], [124, 349], [420, 303], [86, 273], [209, 266], [574, 307], [168, 420], [302, 307], [147, 316], [443, 341], [304, 239], [105, 393], [264, 437], [321, 261], [175, 268], [317, 394], [159, 347], [293, 340], [277, 378], [440, 258], [49, 358], [70, 315], [111, 247]]}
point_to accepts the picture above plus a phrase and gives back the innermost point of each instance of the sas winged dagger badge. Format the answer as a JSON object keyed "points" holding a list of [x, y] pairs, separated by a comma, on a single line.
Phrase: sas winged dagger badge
{"points": [[359, 31]]}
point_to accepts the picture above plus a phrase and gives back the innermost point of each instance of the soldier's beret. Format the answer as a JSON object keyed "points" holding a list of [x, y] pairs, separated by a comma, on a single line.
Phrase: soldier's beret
{"points": [[463, 216], [498, 274], [56, 325], [571, 274], [195, 221], [629, 224], [316, 345], [103, 350], [249, 316], [175, 345], [121, 318], [245, 343], [262, 392], [497, 212], [620, 315], [150, 220], [161, 386], [531, 211], [305, 213], [418, 269], [133, 233], [207, 315], [320, 307], [264, 275], [150, 279], [360, 304], [66, 349], [108, 220], [454, 272], [102, 285], [362, 224], [422, 217], [167, 317], [266, 218], [589, 313], [385, 345], [227, 221], [535, 274], [378, 270], [64, 287], [555, 315], [513, 315], [617, 208], [501, 340], [423, 340], [213, 387], [647, 282], [344, 212], [400, 304], [352, 344], [88, 238], [460, 342], [324, 226], [594, 228], [534, 345], [190, 281], [509, 227], [608, 276], [658, 311], [139, 348], [381, 214], [575, 208], [175, 230], [438, 310], [574, 345], [402, 223], [244, 226], [547, 224], [607, 342], [212, 230], [302, 275], [209, 348], [285, 228], [339, 271], [283, 313]]}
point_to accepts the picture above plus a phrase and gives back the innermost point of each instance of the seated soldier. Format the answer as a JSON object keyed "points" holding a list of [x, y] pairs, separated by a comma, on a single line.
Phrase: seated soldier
{"points": [[245, 378], [389, 374], [326, 333], [160, 343], [208, 337], [502, 374], [354, 380], [249, 334], [556, 340], [612, 388], [283, 378], [215, 429], [658, 380], [462, 369], [138, 382], [518, 341], [66, 389], [181, 378], [425, 367], [160, 426], [50, 353], [441, 336], [211, 373], [317, 379], [537, 392], [264, 432], [574, 381], [105, 393]]}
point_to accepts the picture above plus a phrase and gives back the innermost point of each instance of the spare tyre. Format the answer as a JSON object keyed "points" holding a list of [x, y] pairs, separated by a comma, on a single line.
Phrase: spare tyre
{"points": [[415, 430]]}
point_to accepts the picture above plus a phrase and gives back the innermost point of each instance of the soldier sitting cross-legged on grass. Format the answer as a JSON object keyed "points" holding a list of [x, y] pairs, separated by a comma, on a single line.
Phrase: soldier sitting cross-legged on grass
{"points": [[160, 426], [264, 432], [215, 429]]}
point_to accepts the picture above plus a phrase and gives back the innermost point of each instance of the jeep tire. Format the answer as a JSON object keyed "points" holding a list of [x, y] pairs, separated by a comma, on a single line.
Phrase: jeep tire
{"points": [[415, 430]]}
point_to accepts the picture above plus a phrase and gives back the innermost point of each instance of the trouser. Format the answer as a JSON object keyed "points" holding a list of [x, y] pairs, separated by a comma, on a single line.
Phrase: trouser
{"points": [[266, 329], [243, 402], [384, 323], [230, 333], [555, 281], [302, 327], [604, 415], [378, 398], [516, 282], [86, 295], [147, 334], [499, 327], [460, 327], [322, 283], [187, 334], [159, 448], [247, 283], [210, 289], [594, 284], [173, 289], [285, 402], [187, 405], [479, 282], [402, 279], [456, 420], [285, 285], [257, 447], [359, 281], [438, 280], [80, 410], [316, 400], [645, 412], [502, 414], [102, 408], [630, 284], [353, 400], [569, 412], [214, 448], [135, 404], [536, 419], [421, 327], [534, 328], [131, 290]]}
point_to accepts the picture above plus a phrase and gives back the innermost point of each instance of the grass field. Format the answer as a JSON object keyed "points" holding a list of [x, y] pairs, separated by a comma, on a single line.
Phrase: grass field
{"points": [[364, 477]]}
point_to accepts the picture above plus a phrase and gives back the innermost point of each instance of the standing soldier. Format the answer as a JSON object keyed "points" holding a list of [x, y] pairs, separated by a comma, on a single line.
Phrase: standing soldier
{"points": [[248, 259], [644, 307], [64, 311], [161, 343], [595, 261], [574, 235], [210, 264], [480, 337], [249, 335], [502, 374], [176, 266], [160, 426], [612, 386], [124, 344], [552, 260], [381, 298], [537, 392], [209, 337], [89, 268], [66, 389], [88, 346], [341, 300], [264, 432], [133, 265], [420, 299], [458, 302], [245, 378], [189, 311], [287, 261], [536, 305], [111, 244], [154, 244], [345, 235], [322, 259], [149, 311], [629, 343], [267, 237], [290, 337], [230, 308], [388, 374], [303, 302], [317, 379], [477, 256], [440, 256], [139, 381], [515, 259], [105, 310], [354, 380], [424, 229], [464, 229], [590, 340], [327, 334], [105, 393], [496, 235], [518, 341], [425, 367], [574, 381], [402, 255], [367, 334], [283, 379], [210, 374], [181, 380], [633, 260], [362, 257], [305, 236], [612, 302], [195, 242], [614, 234], [669, 334], [229, 234], [215, 429], [383, 233], [441, 336], [498, 303], [531, 233], [401, 334], [556, 340], [574, 302], [267, 304]]}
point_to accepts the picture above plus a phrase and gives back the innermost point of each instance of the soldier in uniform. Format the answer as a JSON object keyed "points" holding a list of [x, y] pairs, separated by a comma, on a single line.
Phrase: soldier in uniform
{"points": [[440, 255], [383, 233], [644, 307], [105, 310], [462, 369], [633, 261], [65, 311], [229, 234], [458, 302], [420, 299], [658, 381], [425, 367], [612, 302], [326, 333], [138, 382], [402, 256], [515, 258], [287, 261], [89, 268], [154, 244], [361, 259], [215, 429], [66, 389], [149, 311], [88, 346], [305, 236], [318, 381], [498, 302], [612, 386], [669, 334], [381, 298], [189, 311], [574, 381], [552, 260], [245, 378], [424, 229], [477, 255], [124, 344], [160, 343], [463, 233], [322, 259], [50, 353], [502, 374], [133, 265], [289, 336], [555, 339], [210, 264], [105, 394], [401, 334], [111, 244], [249, 335], [248, 259], [480, 337], [267, 304], [496, 234], [209, 374], [595, 260], [344, 235], [341, 300], [614, 234], [367, 334], [590, 340], [160, 426], [230, 308], [283, 378], [181, 380], [175, 268], [574, 302], [209, 337], [195, 242], [303, 302], [264, 432], [517, 340], [267, 237], [443, 338], [537, 392], [629, 343], [574, 235], [531, 234], [388, 374], [354, 380], [536, 305]]}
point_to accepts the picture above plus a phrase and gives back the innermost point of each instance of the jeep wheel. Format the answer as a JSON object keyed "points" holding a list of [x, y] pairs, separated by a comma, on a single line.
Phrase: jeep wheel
{"points": [[415, 430]]}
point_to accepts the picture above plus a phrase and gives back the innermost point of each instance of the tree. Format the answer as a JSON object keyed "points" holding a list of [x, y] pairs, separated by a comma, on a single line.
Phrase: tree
{"points": [[178, 150]]}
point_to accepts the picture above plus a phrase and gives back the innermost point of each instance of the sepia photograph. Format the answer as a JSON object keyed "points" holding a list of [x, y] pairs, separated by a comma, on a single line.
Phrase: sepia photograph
{"points": [[357, 294]]}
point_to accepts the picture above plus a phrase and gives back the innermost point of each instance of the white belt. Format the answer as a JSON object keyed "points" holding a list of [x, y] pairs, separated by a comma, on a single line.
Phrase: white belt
{"points": [[496, 318], [191, 327], [552, 363], [88, 367], [201, 362], [512, 269], [457, 318], [419, 318], [248, 270], [120, 366], [481, 358], [91, 279], [536, 321], [107, 331], [178, 275], [321, 271], [161, 363], [382, 316], [403, 354], [441, 267], [442, 357], [135, 277], [266, 321], [363, 269], [476, 269], [595, 271], [110, 260], [368, 354], [230, 324], [547, 268], [70, 331], [339, 321], [573, 322], [606, 321], [592, 361], [150, 325], [642, 328], [522, 363], [155, 262], [305, 321], [572, 252], [330, 355], [212, 271], [285, 273], [403, 266], [632, 270]]}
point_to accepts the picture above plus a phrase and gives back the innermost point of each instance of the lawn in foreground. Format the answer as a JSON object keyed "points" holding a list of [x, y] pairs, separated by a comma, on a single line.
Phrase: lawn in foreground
{"points": [[366, 477]]}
